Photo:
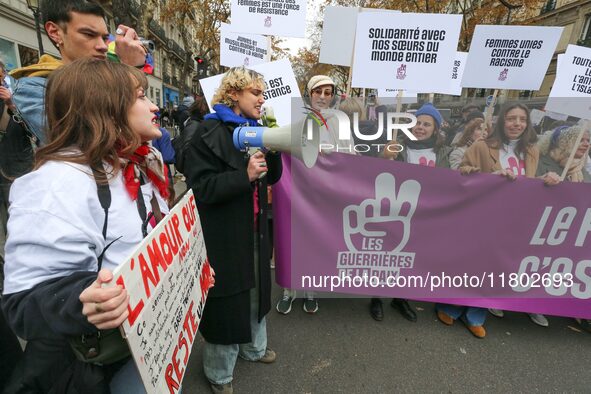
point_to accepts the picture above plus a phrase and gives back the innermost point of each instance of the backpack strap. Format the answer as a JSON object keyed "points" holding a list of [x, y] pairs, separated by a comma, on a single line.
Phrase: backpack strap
{"points": [[104, 196]]}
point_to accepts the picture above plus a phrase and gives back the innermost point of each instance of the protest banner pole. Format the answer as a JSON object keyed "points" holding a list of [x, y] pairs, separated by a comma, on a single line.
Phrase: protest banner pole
{"points": [[398, 109], [572, 154], [348, 91], [432, 98], [490, 109]]}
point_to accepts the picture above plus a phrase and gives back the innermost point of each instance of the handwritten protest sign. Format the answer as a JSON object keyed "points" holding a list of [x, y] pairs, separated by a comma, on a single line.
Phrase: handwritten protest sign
{"points": [[510, 57], [571, 92], [237, 49], [285, 18], [167, 278], [417, 54], [281, 88]]}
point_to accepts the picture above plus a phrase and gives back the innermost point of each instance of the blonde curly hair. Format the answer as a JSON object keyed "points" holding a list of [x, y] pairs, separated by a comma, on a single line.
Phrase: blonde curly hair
{"points": [[235, 80], [560, 142]]}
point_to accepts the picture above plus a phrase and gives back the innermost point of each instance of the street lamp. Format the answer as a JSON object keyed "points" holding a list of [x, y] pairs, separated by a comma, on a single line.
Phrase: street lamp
{"points": [[34, 7]]}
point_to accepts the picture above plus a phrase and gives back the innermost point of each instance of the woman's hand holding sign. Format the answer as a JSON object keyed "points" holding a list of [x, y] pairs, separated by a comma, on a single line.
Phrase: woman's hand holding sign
{"points": [[105, 307]]}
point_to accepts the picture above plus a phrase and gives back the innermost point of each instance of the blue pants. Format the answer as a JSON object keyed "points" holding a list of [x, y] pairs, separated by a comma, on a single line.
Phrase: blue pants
{"points": [[472, 315], [219, 360]]}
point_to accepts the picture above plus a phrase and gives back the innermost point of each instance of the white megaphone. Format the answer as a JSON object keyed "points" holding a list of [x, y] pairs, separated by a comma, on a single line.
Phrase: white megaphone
{"points": [[300, 139]]}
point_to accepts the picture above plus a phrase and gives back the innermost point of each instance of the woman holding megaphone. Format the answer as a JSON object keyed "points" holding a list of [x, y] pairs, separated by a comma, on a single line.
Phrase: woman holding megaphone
{"points": [[232, 204]]}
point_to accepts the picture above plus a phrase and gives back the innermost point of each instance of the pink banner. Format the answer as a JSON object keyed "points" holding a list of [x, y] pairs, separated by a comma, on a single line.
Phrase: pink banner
{"points": [[366, 226]]}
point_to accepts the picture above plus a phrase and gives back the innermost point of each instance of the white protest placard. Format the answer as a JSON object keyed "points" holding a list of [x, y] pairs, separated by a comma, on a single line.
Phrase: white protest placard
{"points": [[407, 97], [238, 49], [286, 18], [510, 57], [417, 54], [571, 92], [281, 88], [338, 35], [167, 278], [457, 71], [536, 116]]}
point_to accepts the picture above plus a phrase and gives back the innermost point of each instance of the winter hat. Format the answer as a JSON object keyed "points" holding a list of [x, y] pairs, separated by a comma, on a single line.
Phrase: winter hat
{"points": [[319, 80], [559, 141], [429, 109]]}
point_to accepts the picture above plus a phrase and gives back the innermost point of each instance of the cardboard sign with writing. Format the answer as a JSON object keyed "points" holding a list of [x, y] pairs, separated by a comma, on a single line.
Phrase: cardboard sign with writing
{"points": [[167, 278], [405, 51], [285, 18], [571, 92], [510, 57], [281, 88], [237, 49]]}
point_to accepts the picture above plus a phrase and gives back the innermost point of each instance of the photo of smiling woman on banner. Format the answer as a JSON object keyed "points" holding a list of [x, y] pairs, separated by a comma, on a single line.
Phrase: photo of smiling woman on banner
{"points": [[232, 202], [86, 205]]}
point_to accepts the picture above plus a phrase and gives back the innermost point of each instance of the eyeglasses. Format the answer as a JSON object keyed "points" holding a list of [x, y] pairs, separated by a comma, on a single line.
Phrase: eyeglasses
{"points": [[323, 92]]}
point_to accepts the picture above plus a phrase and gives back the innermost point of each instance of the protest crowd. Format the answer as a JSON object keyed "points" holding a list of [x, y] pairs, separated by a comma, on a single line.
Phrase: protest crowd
{"points": [[86, 177]]}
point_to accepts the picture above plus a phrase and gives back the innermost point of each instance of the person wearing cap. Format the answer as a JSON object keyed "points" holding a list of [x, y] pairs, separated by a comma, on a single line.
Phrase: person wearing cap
{"points": [[321, 90], [428, 150], [555, 150]]}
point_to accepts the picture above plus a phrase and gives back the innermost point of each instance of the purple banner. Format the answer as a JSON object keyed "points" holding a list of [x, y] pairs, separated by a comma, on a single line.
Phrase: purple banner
{"points": [[366, 226]]}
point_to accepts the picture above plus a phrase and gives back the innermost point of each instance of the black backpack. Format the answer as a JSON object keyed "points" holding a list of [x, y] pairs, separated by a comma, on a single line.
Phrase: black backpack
{"points": [[181, 143]]}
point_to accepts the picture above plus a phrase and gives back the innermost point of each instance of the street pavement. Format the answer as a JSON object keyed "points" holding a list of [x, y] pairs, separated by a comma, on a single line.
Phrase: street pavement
{"points": [[341, 349]]}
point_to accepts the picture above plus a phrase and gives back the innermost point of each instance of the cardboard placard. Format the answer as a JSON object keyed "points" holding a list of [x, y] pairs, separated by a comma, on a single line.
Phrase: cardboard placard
{"points": [[571, 92], [237, 49], [457, 71], [281, 88], [167, 278], [285, 18], [392, 94], [510, 57], [416, 54]]}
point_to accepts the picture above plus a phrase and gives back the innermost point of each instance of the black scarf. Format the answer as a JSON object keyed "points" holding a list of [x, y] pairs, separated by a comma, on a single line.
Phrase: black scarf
{"points": [[424, 144]]}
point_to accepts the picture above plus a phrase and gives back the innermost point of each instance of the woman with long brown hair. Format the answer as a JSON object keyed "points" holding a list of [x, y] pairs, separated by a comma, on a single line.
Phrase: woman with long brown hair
{"points": [[511, 152], [78, 211]]}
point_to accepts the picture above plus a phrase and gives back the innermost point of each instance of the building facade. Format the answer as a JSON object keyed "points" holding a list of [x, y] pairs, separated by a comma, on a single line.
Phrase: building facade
{"points": [[19, 48]]}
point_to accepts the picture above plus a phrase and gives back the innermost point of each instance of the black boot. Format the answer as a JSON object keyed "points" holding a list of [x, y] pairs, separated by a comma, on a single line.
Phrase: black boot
{"points": [[405, 310], [375, 309]]}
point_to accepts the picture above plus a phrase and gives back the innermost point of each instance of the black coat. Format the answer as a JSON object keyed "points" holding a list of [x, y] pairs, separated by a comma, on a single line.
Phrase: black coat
{"points": [[217, 173]]}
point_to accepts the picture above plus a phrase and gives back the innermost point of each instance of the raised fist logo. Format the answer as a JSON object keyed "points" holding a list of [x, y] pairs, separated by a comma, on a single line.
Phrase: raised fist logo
{"points": [[503, 74], [268, 21], [401, 72], [246, 62], [376, 224]]}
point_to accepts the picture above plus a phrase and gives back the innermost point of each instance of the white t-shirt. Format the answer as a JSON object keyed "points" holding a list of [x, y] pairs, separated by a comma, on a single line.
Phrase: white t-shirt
{"points": [[509, 159], [56, 222], [423, 157]]}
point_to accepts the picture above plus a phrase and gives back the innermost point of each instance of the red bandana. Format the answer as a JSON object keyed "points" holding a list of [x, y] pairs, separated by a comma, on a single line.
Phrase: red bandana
{"points": [[146, 160]]}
